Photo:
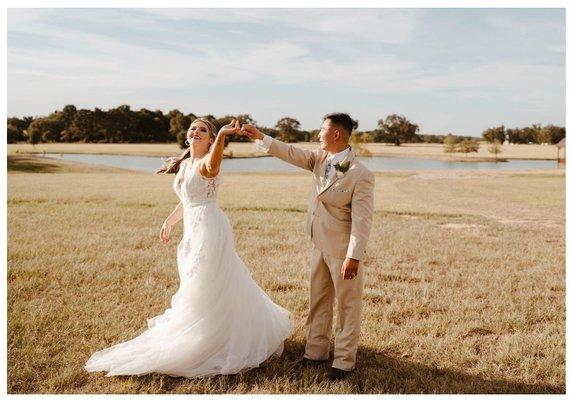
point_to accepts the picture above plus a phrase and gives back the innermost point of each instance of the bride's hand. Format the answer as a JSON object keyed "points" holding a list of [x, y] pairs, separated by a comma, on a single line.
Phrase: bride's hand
{"points": [[165, 232], [231, 129]]}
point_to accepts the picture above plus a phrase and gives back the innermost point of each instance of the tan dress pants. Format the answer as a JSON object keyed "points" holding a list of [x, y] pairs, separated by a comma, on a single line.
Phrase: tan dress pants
{"points": [[326, 285]]}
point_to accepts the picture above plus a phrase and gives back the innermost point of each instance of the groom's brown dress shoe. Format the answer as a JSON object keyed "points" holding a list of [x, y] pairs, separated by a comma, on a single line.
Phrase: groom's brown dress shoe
{"points": [[337, 374]]}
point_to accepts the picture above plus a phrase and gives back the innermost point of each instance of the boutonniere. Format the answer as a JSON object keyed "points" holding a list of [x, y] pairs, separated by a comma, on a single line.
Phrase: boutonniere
{"points": [[341, 168]]}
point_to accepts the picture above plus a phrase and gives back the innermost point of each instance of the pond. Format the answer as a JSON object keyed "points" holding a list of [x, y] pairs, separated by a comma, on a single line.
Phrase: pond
{"points": [[272, 164]]}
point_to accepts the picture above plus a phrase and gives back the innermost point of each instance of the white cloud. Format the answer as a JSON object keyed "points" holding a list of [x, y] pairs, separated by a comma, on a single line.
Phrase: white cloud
{"points": [[370, 25], [519, 26]]}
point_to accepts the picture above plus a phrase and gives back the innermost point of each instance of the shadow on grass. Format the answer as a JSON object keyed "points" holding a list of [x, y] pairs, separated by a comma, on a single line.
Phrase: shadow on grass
{"points": [[375, 373], [31, 164]]}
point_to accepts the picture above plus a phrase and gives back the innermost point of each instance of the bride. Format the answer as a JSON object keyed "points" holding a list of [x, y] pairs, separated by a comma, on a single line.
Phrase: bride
{"points": [[220, 321]]}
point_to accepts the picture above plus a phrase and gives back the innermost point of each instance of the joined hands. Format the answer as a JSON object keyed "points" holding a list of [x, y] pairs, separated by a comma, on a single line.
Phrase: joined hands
{"points": [[234, 127]]}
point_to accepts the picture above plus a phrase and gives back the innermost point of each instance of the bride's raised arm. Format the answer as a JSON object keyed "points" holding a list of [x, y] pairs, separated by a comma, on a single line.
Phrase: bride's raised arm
{"points": [[210, 167]]}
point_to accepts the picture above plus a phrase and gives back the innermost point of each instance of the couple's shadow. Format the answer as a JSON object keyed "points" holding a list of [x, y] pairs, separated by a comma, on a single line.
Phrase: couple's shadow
{"points": [[376, 373]]}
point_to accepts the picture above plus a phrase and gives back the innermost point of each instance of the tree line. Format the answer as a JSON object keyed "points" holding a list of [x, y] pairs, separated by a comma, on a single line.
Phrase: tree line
{"points": [[536, 133], [124, 125]]}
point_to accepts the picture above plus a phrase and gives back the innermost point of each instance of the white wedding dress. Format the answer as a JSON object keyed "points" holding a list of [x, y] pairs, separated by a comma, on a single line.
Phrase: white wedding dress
{"points": [[220, 320]]}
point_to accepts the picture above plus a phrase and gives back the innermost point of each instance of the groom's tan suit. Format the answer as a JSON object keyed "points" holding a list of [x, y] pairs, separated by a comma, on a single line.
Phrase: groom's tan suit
{"points": [[338, 222]]}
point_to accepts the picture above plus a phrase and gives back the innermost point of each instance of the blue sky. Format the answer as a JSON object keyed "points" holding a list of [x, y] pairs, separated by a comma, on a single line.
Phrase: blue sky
{"points": [[449, 70]]}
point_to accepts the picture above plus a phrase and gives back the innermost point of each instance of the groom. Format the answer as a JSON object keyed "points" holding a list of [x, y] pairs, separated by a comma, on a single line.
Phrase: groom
{"points": [[339, 222]]}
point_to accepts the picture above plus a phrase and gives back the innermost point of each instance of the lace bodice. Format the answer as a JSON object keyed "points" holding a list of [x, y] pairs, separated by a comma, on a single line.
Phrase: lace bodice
{"points": [[192, 188]]}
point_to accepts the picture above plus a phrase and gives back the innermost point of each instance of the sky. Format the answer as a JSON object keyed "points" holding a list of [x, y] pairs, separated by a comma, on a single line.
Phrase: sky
{"points": [[448, 70]]}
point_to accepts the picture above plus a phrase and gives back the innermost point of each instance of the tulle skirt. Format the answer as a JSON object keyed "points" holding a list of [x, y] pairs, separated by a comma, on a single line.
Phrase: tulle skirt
{"points": [[220, 321]]}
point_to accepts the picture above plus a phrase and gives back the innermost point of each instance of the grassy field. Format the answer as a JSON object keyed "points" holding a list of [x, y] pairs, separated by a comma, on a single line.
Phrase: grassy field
{"points": [[465, 279], [434, 151]]}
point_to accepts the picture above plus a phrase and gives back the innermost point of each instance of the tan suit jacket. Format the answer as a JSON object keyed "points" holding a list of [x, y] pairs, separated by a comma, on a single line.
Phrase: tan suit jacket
{"points": [[340, 211]]}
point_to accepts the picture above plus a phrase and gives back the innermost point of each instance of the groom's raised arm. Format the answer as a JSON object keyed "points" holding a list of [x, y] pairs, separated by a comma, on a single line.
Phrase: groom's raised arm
{"points": [[293, 155]]}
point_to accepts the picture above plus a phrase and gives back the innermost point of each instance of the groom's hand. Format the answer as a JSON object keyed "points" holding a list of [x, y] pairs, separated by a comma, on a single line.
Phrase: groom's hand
{"points": [[349, 268], [251, 132]]}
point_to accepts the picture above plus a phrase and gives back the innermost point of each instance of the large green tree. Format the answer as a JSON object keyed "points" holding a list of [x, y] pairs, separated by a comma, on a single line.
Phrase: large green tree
{"points": [[83, 127], [397, 129], [152, 126], [48, 129], [288, 129], [17, 128], [497, 133], [13, 134], [35, 131], [556, 133], [178, 125]]}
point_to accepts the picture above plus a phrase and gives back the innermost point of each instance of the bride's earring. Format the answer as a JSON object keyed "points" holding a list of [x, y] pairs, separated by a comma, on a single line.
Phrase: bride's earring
{"points": [[187, 142]]}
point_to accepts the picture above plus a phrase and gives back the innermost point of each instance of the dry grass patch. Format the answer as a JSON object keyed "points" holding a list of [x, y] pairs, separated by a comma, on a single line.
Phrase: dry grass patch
{"points": [[445, 310]]}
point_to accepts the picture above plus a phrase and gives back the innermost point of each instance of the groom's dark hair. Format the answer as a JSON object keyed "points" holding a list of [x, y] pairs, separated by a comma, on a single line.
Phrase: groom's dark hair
{"points": [[341, 120]]}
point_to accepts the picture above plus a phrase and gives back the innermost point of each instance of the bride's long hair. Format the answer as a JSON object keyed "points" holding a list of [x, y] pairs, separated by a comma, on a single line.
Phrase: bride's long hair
{"points": [[172, 165]]}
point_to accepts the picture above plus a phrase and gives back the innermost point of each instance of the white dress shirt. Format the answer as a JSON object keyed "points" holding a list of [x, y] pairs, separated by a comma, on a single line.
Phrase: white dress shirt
{"points": [[265, 143], [332, 159]]}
